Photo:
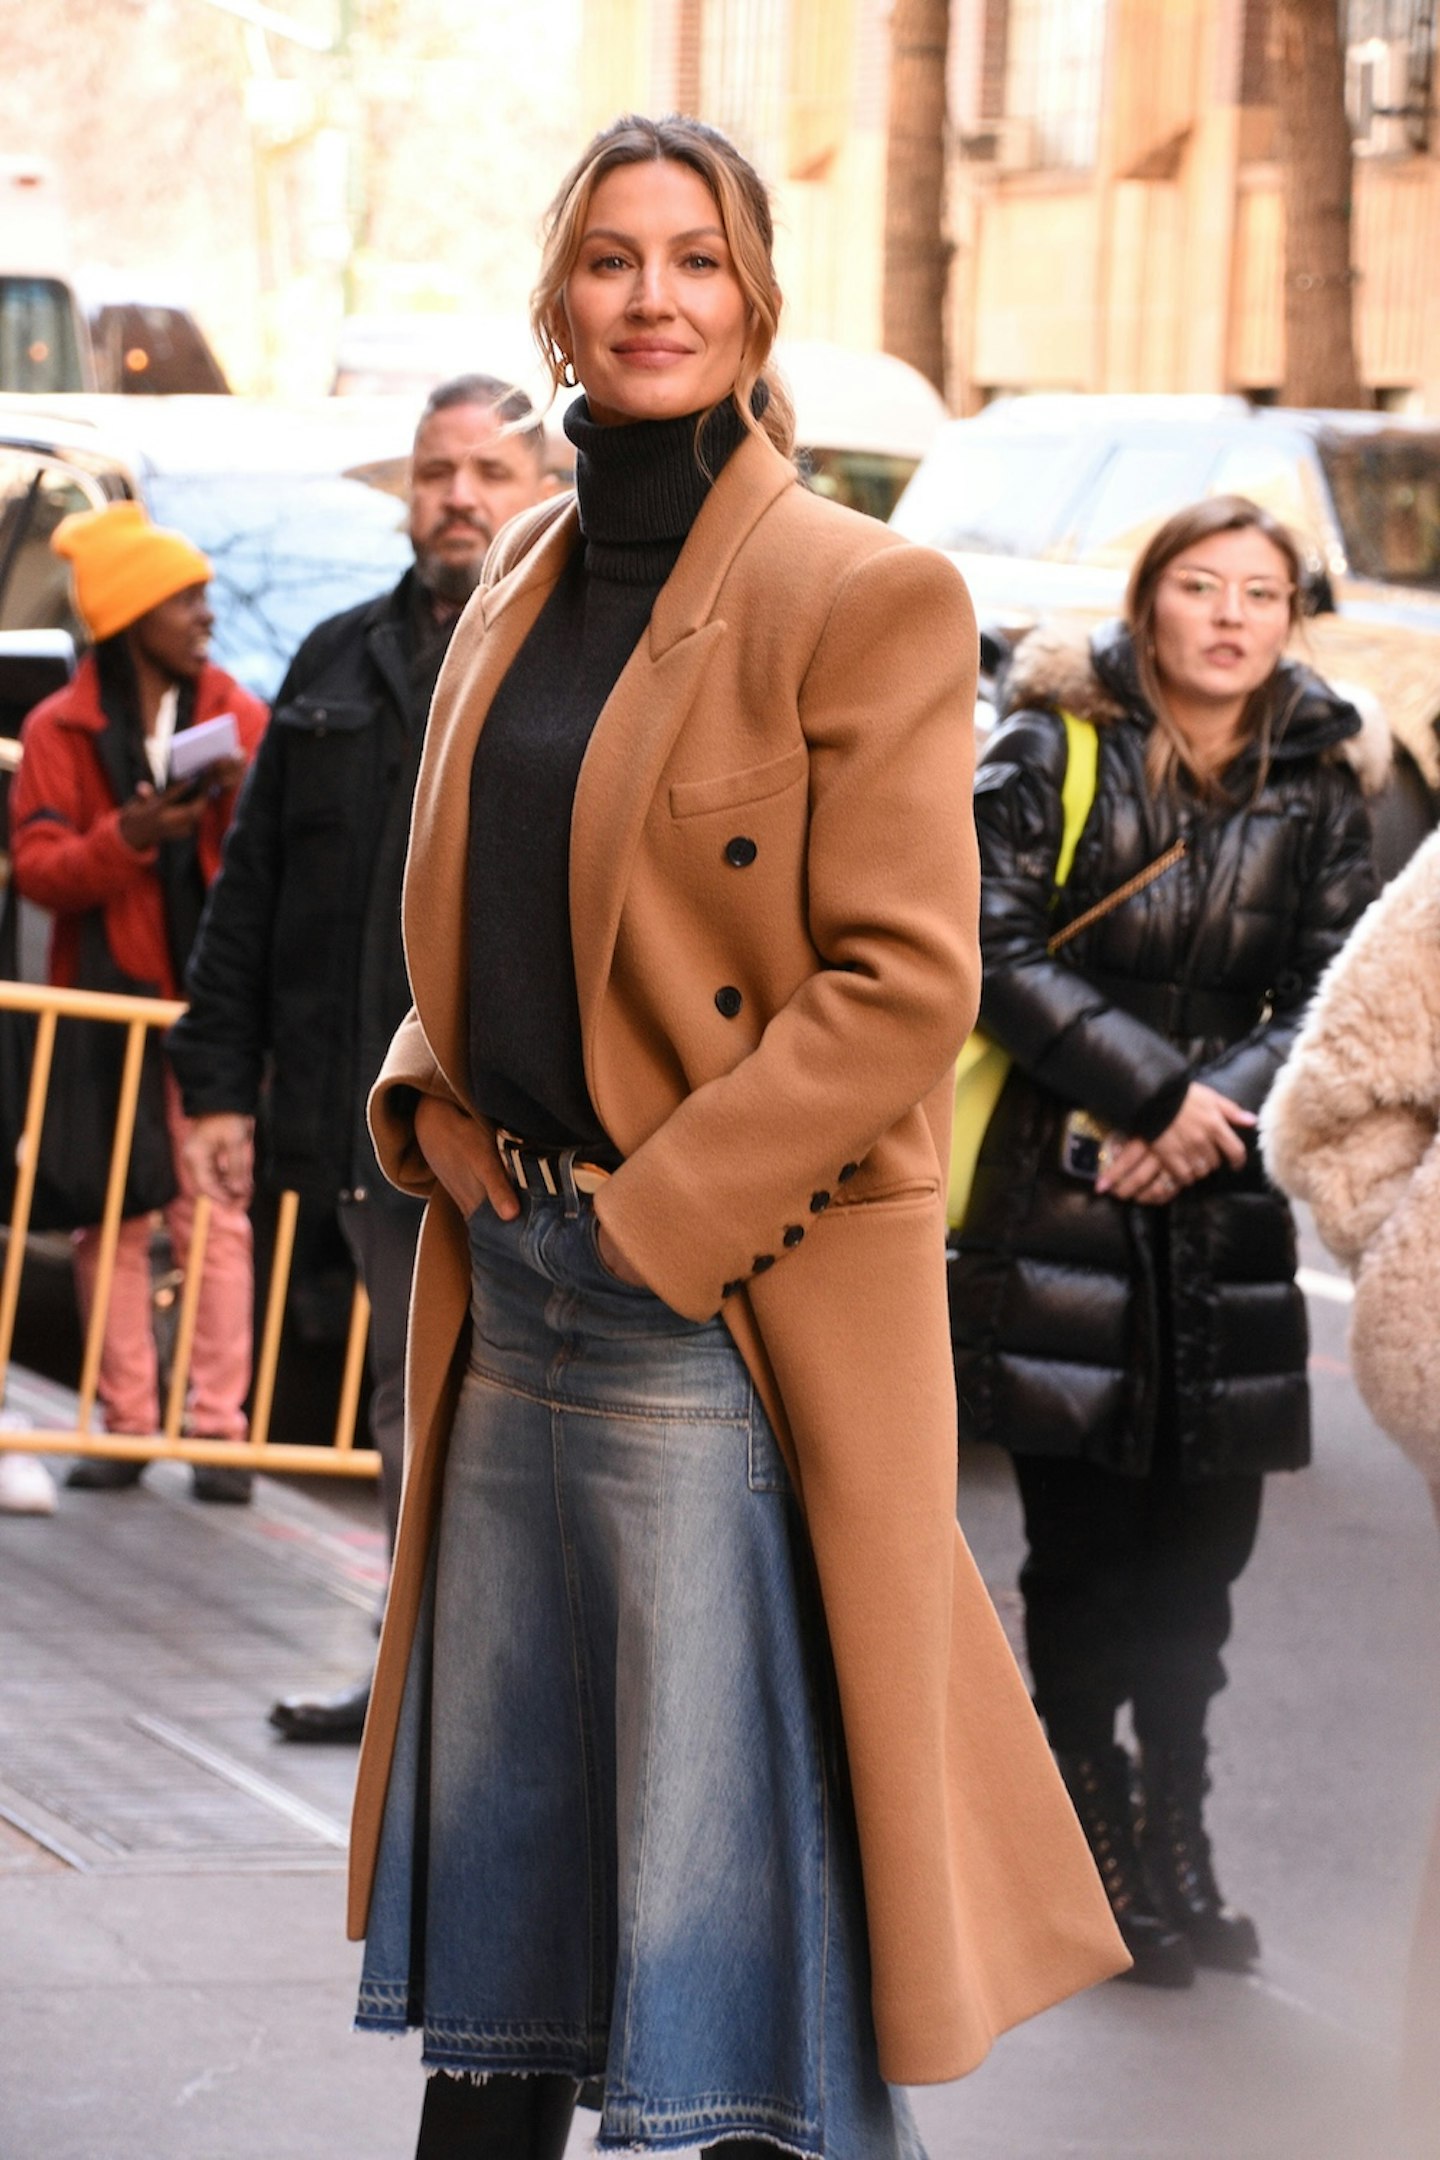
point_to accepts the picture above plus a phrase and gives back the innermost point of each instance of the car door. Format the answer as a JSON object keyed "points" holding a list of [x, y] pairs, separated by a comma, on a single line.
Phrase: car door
{"points": [[37, 489]]}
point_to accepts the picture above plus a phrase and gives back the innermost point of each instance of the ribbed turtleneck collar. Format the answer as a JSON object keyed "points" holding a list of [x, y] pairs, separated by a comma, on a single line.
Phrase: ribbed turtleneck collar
{"points": [[640, 486]]}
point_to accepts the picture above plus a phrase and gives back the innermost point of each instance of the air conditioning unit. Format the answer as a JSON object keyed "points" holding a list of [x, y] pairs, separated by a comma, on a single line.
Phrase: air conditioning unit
{"points": [[1379, 96]]}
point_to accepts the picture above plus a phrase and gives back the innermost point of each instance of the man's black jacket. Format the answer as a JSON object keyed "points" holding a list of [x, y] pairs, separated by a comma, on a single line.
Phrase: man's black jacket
{"points": [[297, 976]]}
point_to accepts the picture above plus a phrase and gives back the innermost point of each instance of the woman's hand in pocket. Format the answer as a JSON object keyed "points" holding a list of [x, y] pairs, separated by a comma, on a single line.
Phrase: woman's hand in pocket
{"points": [[461, 1151], [613, 1260]]}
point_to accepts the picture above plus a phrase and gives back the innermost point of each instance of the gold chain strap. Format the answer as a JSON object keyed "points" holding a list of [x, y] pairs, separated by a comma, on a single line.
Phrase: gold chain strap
{"points": [[1121, 894]]}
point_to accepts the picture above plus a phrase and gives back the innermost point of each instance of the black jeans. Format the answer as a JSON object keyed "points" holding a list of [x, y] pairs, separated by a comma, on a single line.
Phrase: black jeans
{"points": [[1127, 1596]]}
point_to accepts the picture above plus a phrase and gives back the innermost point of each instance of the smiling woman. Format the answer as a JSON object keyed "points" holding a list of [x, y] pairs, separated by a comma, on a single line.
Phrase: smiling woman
{"points": [[697, 1769], [655, 317]]}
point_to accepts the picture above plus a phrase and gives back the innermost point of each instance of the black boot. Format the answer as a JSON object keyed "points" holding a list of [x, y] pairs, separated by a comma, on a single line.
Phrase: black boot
{"points": [[1099, 1789], [1176, 1851]]}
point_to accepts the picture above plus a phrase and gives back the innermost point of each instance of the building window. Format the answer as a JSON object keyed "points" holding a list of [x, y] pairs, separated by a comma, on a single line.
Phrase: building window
{"points": [[1055, 55], [1389, 74]]}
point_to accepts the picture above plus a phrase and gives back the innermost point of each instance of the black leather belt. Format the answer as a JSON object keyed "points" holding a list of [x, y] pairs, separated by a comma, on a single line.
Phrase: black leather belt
{"points": [[1175, 1010], [561, 1172]]}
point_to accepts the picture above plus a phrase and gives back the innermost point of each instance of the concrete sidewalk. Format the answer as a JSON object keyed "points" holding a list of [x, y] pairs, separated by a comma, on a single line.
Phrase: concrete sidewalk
{"points": [[174, 1979]]}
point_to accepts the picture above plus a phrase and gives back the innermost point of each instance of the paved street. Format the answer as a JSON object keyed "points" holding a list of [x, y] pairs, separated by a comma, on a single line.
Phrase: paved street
{"points": [[174, 1983]]}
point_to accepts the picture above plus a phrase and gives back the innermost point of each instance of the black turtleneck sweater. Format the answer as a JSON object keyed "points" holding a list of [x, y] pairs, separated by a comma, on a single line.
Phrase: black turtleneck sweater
{"points": [[640, 487]]}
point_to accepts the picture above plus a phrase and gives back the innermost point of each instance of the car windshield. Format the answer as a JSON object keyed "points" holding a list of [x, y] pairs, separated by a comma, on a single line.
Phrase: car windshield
{"points": [[997, 491], [288, 550], [1386, 489]]}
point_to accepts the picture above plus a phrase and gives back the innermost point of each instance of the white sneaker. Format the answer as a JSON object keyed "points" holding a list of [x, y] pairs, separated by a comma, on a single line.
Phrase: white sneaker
{"points": [[26, 1486]]}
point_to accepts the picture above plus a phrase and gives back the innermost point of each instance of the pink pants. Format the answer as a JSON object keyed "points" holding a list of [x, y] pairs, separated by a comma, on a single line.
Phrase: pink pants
{"points": [[129, 1386]]}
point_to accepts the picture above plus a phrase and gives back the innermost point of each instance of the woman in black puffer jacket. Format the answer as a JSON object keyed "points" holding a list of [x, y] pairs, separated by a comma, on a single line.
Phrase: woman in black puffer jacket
{"points": [[1125, 1312]]}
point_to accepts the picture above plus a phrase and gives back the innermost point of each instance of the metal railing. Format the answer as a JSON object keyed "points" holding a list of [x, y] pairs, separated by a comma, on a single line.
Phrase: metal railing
{"points": [[343, 1458]]}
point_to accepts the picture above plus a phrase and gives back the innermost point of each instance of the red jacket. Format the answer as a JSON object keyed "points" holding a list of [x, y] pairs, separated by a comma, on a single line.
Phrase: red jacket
{"points": [[66, 846]]}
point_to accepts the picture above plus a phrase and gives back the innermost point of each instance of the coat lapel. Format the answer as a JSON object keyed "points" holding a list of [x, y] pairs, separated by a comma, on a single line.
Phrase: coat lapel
{"points": [[645, 711], [633, 738], [489, 635]]}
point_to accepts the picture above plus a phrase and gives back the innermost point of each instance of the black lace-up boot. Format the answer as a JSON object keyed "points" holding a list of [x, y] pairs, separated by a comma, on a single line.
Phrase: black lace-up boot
{"points": [[1099, 1786], [1176, 1852]]}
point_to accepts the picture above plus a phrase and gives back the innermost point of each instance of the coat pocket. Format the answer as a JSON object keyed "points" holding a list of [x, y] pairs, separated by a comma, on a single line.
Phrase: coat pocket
{"points": [[729, 791], [316, 714]]}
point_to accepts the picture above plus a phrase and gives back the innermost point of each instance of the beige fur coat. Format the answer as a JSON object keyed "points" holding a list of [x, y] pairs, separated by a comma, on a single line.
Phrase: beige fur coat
{"points": [[1351, 1127]]}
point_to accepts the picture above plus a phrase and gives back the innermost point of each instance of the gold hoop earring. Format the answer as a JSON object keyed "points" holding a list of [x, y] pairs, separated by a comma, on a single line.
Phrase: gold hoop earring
{"points": [[569, 380]]}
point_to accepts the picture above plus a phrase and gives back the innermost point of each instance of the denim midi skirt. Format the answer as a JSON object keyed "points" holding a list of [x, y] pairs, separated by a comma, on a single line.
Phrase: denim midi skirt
{"points": [[618, 1841]]}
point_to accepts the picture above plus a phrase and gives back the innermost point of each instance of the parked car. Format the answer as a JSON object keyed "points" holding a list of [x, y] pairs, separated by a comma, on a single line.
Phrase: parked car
{"points": [[268, 492], [147, 343], [1044, 500]]}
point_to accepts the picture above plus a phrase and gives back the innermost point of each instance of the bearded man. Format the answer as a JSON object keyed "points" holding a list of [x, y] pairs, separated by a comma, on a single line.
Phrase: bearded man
{"points": [[297, 978]]}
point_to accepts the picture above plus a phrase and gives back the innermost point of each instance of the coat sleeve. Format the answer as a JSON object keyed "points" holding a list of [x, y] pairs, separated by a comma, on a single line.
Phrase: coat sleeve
{"points": [[1056, 1026], [891, 892], [1354, 1111], [218, 1046], [409, 1071], [64, 858], [1337, 884]]}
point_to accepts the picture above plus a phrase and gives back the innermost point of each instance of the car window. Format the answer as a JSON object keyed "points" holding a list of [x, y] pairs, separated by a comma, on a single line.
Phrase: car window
{"points": [[35, 493], [153, 351], [1386, 490], [865, 480], [1278, 472], [1142, 482], [288, 549], [39, 350], [995, 492]]}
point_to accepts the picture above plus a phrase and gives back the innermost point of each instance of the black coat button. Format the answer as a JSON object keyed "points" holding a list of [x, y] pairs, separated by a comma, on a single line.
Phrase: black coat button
{"points": [[741, 851], [728, 1001], [819, 1201], [846, 1172], [731, 1289], [761, 1261], [793, 1235]]}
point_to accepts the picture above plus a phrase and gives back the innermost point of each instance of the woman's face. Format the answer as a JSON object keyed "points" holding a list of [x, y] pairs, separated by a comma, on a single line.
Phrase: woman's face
{"points": [[1222, 617], [175, 636], [655, 313]]}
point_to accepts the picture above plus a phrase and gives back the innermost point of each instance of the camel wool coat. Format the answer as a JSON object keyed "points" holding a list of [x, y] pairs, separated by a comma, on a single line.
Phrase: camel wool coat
{"points": [[804, 686]]}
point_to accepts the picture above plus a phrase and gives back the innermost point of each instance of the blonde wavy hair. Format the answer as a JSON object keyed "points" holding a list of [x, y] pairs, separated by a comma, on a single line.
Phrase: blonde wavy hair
{"points": [[744, 208]]}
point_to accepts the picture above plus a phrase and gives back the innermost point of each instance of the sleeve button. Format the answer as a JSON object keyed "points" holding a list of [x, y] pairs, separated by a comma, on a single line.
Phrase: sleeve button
{"points": [[732, 1289], [728, 1001], [819, 1201], [762, 1261], [793, 1235], [741, 851], [846, 1172]]}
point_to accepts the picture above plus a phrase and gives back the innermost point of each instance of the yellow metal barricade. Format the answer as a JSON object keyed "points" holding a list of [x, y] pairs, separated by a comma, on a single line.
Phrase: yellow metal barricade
{"points": [[343, 1459]]}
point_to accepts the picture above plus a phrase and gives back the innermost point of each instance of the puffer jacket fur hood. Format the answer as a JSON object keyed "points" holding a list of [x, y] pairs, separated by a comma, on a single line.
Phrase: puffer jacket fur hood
{"points": [[1060, 665]]}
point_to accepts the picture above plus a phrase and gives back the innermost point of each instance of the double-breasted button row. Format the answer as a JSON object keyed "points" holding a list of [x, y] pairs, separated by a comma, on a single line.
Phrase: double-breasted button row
{"points": [[740, 852]]}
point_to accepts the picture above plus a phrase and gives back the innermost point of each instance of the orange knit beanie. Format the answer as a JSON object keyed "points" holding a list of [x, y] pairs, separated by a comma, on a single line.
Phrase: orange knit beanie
{"points": [[123, 566]]}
